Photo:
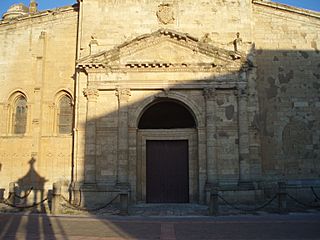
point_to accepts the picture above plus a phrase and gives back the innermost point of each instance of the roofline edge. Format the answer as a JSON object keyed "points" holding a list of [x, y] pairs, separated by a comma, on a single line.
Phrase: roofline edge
{"points": [[288, 8]]}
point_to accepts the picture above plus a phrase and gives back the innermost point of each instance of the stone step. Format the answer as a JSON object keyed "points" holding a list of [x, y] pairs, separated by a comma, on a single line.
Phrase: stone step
{"points": [[168, 209]]}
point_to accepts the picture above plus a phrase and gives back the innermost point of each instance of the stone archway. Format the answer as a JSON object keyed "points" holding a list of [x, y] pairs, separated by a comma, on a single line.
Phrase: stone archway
{"points": [[167, 166]]}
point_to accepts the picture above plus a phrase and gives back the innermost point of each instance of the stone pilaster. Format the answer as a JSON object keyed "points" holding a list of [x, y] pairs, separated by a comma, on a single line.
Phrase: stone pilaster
{"points": [[6, 119], [212, 165], [244, 166], [123, 95], [92, 95]]}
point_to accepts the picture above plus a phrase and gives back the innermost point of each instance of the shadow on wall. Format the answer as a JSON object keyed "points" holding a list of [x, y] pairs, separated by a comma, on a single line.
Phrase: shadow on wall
{"points": [[115, 144], [285, 122], [29, 195], [288, 84], [32, 180], [2, 190]]}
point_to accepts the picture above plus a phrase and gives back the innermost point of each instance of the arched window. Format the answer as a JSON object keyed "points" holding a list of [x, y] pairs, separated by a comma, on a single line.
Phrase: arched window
{"points": [[65, 115], [19, 118]]}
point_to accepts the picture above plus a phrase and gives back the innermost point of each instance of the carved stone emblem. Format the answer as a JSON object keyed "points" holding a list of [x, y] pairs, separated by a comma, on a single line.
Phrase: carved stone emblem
{"points": [[165, 13]]}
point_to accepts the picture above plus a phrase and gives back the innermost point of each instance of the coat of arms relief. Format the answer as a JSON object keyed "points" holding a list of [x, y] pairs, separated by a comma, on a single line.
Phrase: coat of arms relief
{"points": [[165, 13]]}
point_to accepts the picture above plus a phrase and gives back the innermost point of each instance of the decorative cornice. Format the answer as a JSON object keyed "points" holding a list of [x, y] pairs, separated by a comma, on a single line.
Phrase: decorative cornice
{"points": [[162, 67]]}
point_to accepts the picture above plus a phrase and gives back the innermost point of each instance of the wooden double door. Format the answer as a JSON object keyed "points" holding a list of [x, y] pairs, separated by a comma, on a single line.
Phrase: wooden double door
{"points": [[167, 178]]}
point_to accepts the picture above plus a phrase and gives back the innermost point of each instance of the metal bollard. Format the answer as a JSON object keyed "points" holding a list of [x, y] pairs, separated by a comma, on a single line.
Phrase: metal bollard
{"points": [[56, 194], [214, 202], [282, 197], [12, 191], [124, 203]]}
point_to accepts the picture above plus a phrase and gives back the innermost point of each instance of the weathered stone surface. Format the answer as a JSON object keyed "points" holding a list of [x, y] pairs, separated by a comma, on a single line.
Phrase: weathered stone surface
{"points": [[247, 71]]}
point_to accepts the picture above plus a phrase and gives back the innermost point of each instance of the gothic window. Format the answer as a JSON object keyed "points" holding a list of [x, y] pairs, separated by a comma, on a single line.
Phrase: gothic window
{"points": [[65, 115], [19, 118]]}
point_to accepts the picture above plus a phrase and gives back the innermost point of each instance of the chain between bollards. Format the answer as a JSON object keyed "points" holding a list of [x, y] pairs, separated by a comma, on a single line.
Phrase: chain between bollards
{"points": [[281, 196], [78, 208]]}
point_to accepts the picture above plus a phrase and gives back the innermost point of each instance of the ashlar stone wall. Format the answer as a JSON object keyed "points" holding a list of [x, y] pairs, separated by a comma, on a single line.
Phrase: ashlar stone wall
{"points": [[287, 51], [37, 58], [116, 22]]}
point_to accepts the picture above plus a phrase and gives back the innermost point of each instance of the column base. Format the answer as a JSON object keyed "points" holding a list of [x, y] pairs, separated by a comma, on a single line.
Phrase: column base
{"points": [[211, 185], [209, 188], [246, 185], [123, 187]]}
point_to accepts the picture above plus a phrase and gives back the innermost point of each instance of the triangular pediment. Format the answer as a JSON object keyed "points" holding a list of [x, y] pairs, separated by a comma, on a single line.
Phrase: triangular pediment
{"points": [[164, 49]]}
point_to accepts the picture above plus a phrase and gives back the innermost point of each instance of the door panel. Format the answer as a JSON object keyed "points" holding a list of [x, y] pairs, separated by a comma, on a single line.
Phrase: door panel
{"points": [[167, 171]]}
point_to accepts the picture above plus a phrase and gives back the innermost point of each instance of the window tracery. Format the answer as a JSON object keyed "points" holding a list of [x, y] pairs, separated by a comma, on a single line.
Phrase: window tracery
{"points": [[64, 114], [20, 115]]}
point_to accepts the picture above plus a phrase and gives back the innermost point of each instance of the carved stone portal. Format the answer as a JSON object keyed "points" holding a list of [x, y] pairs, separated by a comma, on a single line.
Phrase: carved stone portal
{"points": [[165, 13]]}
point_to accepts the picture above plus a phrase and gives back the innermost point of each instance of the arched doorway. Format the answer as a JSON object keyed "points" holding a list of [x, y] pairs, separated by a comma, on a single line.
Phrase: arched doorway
{"points": [[167, 132]]}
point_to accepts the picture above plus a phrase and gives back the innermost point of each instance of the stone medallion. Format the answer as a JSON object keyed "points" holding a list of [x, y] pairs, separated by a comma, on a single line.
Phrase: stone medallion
{"points": [[165, 13]]}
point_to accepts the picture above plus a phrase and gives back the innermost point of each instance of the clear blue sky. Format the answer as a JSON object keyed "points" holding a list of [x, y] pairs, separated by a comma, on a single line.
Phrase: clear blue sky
{"points": [[47, 4]]}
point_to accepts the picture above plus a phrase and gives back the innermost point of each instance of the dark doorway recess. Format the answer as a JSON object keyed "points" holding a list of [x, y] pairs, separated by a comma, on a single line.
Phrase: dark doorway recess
{"points": [[166, 115], [167, 171]]}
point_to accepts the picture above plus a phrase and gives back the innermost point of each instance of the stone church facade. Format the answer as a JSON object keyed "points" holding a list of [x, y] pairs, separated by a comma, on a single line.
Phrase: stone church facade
{"points": [[165, 100]]}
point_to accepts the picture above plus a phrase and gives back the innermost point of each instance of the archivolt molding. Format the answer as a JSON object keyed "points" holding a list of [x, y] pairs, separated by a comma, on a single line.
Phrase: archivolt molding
{"points": [[60, 93], [9, 109], [195, 109], [54, 108], [15, 94]]}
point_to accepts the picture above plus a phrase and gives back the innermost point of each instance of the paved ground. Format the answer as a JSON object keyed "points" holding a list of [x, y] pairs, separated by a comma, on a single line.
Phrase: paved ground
{"points": [[267, 226]]}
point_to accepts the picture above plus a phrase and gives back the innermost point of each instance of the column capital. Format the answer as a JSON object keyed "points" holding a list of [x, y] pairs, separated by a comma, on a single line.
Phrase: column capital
{"points": [[52, 105], [241, 91], [91, 93], [209, 93], [123, 94], [7, 106]]}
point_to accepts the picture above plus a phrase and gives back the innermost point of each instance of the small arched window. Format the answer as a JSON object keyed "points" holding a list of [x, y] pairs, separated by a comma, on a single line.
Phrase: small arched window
{"points": [[65, 115], [19, 118]]}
